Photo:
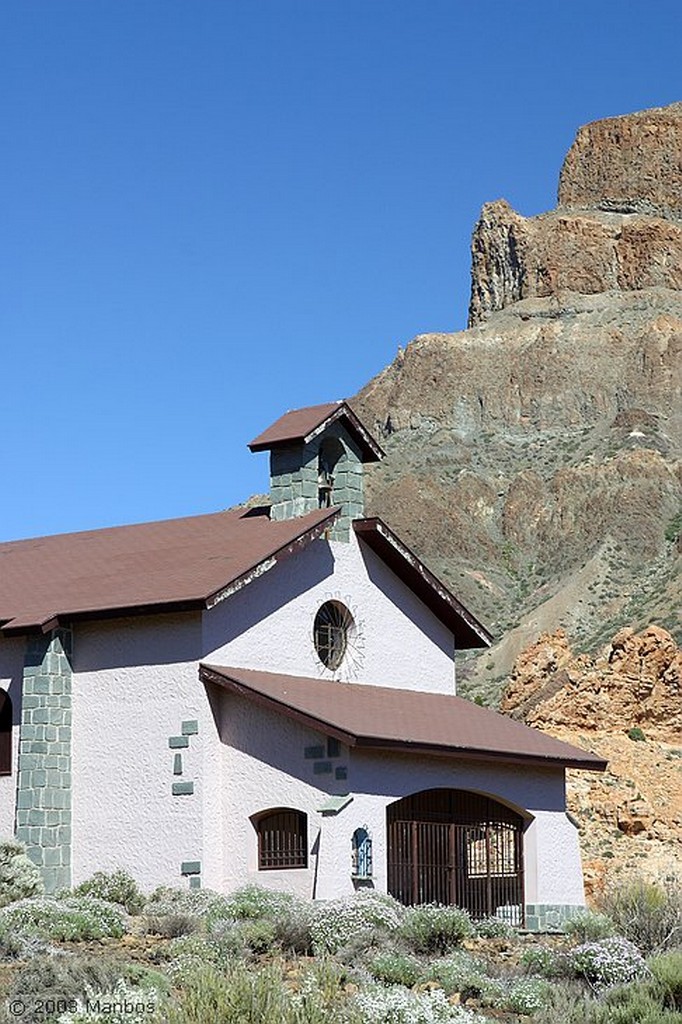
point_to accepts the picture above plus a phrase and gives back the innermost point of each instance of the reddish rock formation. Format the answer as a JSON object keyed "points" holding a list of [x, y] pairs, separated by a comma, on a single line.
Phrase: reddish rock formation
{"points": [[626, 705]]}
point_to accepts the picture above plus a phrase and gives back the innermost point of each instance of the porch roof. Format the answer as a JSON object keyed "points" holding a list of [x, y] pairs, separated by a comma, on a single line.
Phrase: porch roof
{"points": [[402, 721]]}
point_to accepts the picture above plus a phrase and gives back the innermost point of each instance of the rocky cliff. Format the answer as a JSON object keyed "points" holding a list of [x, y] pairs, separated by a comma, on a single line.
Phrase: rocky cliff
{"points": [[535, 458], [626, 704]]}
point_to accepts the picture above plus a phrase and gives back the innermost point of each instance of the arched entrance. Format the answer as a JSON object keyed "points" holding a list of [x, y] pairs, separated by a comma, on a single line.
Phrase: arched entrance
{"points": [[455, 847]]}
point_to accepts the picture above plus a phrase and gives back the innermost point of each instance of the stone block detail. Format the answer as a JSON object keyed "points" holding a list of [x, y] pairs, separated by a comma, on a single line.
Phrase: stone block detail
{"points": [[549, 917], [190, 728], [313, 753], [295, 478], [183, 788], [190, 867], [175, 742], [43, 815], [322, 768]]}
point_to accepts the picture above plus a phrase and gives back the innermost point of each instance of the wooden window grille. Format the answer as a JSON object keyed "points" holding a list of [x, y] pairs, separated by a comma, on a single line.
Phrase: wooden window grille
{"points": [[5, 733], [282, 840]]}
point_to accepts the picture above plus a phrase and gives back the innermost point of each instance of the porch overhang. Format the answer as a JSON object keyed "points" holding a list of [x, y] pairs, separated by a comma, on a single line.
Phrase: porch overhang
{"points": [[407, 722]]}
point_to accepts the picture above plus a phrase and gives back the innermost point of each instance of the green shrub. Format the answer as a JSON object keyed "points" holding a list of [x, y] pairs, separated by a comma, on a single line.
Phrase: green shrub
{"points": [[60, 976], [19, 876], [634, 1004], [171, 926], [71, 919], [525, 996], [647, 913], [293, 930], [258, 936], [395, 968], [121, 1004], [239, 995], [636, 734], [545, 962], [253, 901], [588, 926], [460, 972], [435, 929], [566, 1003], [114, 887], [494, 928], [203, 904], [666, 971]]}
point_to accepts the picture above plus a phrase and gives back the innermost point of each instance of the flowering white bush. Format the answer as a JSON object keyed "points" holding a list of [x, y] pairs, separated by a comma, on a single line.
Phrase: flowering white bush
{"points": [[613, 961], [203, 903], [433, 928], [73, 918], [526, 995], [123, 1005], [400, 1006], [335, 923], [253, 901], [19, 876]]}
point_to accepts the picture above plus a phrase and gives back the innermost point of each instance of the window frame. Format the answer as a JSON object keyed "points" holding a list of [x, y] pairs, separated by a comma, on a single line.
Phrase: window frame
{"points": [[282, 839]]}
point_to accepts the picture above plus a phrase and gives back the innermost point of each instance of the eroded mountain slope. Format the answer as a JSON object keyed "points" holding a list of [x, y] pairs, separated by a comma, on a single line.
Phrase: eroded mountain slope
{"points": [[535, 458]]}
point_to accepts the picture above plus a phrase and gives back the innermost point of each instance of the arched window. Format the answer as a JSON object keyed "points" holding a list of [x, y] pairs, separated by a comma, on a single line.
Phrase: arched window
{"points": [[361, 854], [331, 452], [282, 839], [5, 733]]}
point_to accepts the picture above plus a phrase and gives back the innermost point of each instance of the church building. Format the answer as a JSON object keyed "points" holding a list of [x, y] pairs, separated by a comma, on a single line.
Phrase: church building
{"points": [[268, 695]]}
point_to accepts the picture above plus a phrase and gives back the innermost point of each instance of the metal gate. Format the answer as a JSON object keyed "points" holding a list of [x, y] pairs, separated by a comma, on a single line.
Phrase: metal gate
{"points": [[453, 847]]}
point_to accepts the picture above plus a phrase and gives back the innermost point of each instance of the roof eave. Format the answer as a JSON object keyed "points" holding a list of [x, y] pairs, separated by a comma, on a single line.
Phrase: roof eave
{"points": [[468, 631], [479, 754], [199, 602], [372, 451], [208, 674]]}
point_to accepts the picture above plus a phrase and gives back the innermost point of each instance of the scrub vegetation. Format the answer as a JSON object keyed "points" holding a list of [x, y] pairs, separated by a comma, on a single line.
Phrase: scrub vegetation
{"points": [[105, 953]]}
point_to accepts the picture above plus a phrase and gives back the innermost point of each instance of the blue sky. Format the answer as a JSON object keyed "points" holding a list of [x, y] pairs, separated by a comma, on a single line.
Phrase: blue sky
{"points": [[217, 210]]}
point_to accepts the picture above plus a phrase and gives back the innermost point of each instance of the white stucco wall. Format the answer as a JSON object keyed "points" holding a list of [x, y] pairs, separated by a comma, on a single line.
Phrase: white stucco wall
{"points": [[134, 683], [398, 641], [264, 767], [11, 675]]}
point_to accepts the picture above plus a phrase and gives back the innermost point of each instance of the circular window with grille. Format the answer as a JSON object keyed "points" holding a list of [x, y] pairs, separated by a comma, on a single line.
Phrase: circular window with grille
{"points": [[332, 630]]}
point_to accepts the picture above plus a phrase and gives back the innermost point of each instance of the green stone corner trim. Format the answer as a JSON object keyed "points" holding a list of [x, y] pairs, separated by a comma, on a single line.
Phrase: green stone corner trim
{"points": [[549, 917], [176, 742], [195, 882], [43, 815], [190, 728]]}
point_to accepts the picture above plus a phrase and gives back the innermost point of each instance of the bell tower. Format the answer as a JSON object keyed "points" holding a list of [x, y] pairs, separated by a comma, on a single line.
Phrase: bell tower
{"points": [[317, 458]]}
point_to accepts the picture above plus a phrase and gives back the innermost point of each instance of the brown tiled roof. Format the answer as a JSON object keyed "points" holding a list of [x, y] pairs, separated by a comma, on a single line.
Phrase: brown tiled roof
{"points": [[467, 630], [302, 424], [404, 721], [175, 564]]}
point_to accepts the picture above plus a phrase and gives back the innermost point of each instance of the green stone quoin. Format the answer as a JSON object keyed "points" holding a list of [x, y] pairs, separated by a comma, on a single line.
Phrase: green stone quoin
{"points": [[43, 817], [294, 488], [549, 917]]}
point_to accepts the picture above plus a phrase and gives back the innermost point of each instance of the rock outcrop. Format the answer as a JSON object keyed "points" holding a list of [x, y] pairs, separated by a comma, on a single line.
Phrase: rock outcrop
{"points": [[618, 226], [636, 683], [626, 705]]}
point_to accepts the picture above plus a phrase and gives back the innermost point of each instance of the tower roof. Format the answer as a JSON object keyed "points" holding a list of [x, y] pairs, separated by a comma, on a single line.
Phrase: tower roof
{"points": [[301, 425]]}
